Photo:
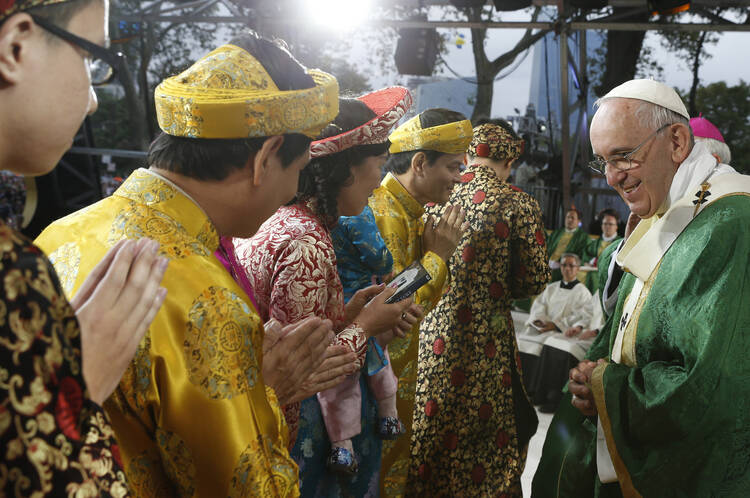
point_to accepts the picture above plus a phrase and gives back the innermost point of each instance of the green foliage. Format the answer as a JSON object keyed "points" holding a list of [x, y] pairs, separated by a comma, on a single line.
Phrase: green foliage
{"points": [[728, 107]]}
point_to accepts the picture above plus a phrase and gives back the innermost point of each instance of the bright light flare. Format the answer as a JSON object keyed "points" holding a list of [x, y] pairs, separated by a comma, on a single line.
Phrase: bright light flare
{"points": [[337, 14]]}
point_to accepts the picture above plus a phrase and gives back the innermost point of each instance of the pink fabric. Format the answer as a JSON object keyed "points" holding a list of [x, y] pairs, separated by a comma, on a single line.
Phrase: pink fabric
{"points": [[383, 384], [705, 129], [225, 254], [341, 406], [291, 267]]}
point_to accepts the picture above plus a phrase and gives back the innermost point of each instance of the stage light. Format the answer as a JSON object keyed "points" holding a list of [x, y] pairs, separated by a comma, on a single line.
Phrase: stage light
{"points": [[337, 14]]}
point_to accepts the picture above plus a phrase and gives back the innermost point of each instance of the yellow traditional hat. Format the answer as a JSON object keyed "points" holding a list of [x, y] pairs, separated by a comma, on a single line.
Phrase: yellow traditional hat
{"points": [[450, 138], [228, 94], [9, 7]]}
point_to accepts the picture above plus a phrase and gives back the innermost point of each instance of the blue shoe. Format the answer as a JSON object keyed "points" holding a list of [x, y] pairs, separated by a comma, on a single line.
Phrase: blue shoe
{"points": [[390, 428], [341, 460]]}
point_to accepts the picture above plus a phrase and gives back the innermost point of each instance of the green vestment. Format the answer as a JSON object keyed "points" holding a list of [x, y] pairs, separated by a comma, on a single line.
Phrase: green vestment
{"points": [[676, 411]]}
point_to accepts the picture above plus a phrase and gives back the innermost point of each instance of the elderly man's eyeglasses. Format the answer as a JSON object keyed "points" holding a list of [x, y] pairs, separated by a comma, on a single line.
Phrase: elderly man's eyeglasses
{"points": [[102, 62], [622, 161]]}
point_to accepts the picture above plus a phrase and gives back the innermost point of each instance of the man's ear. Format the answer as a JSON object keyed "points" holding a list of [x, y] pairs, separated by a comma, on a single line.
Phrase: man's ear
{"points": [[679, 138], [266, 158], [419, 163], [15, 38]]}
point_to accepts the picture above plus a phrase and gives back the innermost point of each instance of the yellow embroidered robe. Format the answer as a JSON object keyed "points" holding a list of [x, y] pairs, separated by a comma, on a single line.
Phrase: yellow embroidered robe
{"points": [[191, 414], [399, 219]]}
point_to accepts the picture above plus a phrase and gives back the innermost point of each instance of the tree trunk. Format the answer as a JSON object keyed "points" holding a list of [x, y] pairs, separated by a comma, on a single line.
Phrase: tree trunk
{"points": [[483, 105], [696, 67], [487, 70], [623, 50]]}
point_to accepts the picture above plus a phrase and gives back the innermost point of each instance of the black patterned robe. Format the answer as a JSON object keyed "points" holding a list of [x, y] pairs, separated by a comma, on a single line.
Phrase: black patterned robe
{"points": [[54, 441], [473, 420]]}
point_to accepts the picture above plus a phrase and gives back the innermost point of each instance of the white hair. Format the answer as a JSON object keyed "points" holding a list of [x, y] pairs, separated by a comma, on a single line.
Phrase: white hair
{"points": [[715, 147], [652, 116]]}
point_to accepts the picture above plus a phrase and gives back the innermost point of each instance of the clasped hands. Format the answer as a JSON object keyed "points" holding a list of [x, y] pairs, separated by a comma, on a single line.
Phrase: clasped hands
{"points": [[579, 386], [300, 360]]}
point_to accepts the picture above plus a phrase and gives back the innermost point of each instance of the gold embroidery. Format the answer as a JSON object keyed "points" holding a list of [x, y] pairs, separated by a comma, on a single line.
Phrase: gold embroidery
{"points": [[177, 460], [220, 345], [251, 477], [631, 329], [623, 476], [175, 242]]}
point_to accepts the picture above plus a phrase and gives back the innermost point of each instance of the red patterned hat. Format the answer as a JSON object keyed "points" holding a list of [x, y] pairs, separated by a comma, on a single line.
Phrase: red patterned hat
{"points": [[389, 105], [9, 7]]}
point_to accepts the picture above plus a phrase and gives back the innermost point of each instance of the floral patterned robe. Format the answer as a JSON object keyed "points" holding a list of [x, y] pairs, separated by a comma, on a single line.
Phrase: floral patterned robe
{"points": [[291, 266], [54, 441], [472, 418]]}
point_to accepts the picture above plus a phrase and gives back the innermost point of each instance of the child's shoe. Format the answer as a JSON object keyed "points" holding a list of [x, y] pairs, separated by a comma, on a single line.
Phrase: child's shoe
{"points": [[390, 428], [343, 461]]}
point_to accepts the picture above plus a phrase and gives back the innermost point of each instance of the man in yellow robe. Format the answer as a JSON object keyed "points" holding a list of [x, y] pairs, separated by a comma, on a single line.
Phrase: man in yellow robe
{"points": [[426, 162], [194, 413]]}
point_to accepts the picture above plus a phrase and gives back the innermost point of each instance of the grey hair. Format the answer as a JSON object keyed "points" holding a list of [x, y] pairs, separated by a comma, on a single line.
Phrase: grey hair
{"points": [[715, 147], [570, 255], [653, 116]]}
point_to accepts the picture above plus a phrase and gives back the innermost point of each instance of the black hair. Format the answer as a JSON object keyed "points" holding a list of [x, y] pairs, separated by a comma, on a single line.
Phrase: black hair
{"points": [[60, 14], [608, 212], [321, 181], [400, 162], [215, 159]]}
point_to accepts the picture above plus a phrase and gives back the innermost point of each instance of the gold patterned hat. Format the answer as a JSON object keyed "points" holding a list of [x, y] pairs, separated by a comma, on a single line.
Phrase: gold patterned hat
{"points": [[228, 94], [495, 142], [10, 7], [450, 138]]}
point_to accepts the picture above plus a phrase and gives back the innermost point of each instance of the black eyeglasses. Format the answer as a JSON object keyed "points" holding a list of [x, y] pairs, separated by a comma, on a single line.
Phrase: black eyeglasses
{"points": [[623, 161], [102, 62]]}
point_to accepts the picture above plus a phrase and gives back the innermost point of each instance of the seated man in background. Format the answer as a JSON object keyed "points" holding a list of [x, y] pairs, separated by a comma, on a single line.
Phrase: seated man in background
{"points": [[568, 239], [564, 317]]}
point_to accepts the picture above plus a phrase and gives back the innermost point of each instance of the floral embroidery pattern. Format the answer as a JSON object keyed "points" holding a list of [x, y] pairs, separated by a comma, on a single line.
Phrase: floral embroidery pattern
{"points": [[54, 441], [222, 361], [466, 437]]}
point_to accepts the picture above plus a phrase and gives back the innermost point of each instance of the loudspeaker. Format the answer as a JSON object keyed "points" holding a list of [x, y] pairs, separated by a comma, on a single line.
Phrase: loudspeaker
{"points": [[508, 5], [416, 51]]}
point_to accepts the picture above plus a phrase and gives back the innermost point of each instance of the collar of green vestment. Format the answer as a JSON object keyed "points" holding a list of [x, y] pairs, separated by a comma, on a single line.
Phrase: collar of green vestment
{"points": [[652, 238], [410, 204]]}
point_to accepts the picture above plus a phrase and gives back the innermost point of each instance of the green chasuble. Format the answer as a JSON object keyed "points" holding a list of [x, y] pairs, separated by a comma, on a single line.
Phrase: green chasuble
{"points": [[595, 249], [676, 410], [576, 244]]}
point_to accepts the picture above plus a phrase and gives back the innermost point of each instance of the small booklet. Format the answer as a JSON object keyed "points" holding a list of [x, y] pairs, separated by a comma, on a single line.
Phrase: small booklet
{"points": [[408, 282], [537, 324]]}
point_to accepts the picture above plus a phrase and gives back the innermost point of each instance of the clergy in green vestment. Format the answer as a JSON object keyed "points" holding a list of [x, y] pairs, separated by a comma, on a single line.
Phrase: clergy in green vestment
{"points": [[596, 246], [662, 408], [570, 239]]}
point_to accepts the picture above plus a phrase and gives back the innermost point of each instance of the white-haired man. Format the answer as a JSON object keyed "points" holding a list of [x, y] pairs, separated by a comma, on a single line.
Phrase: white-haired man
{"points": [[668, 384]]}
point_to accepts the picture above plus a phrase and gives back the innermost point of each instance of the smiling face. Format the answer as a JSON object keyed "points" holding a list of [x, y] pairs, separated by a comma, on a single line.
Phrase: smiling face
{"points": [[615, 130], [439, 177]]}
